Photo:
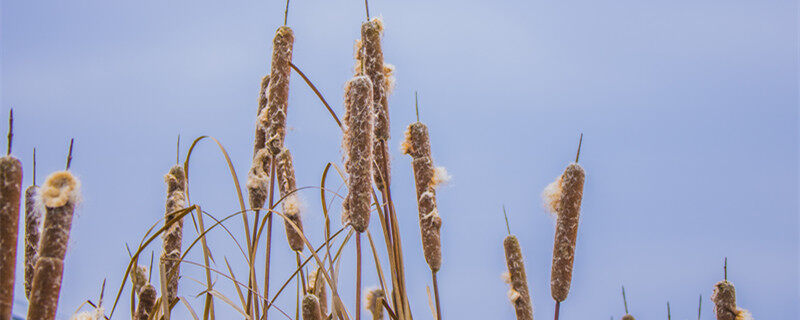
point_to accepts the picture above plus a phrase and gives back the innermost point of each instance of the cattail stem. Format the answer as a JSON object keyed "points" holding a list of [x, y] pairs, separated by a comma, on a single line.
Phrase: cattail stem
{"points": [[358, 276], [269, 238], [558, 308], [435, 281], [59, 195], [10, 188]]}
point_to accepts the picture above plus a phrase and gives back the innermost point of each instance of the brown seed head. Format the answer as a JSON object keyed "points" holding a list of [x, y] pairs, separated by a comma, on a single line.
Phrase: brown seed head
{"points": [[628, 317], [724, 298], [358, 143], [291, 202], [569, 208], [10, 189], [261, 127], [43, 300], [371, 33], [258, 178], [316, 286], [278, 91], [417, 141], [311, 310], [173, 236], [33, 228], [147, 300], [517, 279]]}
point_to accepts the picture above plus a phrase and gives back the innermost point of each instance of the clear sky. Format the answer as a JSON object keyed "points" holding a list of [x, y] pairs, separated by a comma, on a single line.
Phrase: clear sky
{"points": [[689, 111]]}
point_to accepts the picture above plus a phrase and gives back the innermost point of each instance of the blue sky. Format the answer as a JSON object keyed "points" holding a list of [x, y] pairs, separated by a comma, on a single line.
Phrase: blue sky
{"points": [[689, 111]]}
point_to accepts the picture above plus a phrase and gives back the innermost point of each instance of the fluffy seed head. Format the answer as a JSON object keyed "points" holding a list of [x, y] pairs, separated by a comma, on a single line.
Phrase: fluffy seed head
{"points": [[59, 189], [278, 91], [139, 277], [316, 285], [147, 300], [96, 314], [517, 279], [374, 303], [724, 298], [291, 202], [261, 128], [173, 236], [628, 317], [358, 143], [569, 208], [258, 178]]}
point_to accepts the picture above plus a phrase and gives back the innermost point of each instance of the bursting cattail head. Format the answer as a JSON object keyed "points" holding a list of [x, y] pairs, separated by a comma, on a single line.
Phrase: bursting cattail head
{"points": [[60, 188], [316, 286], [724, 298], [147, 300], [261, 127], [628, 317], [374, 303], [311, 310], [517, 279], [139, 278], [96, 314], [278, 91], [291, 202], [258, 178], [568, 215], [34, 210], [416, 143], [173, 236], [358, 143], [10, 192], [175, 179]]}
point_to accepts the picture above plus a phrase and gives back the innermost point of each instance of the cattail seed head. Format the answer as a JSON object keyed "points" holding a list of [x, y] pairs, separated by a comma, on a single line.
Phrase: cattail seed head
{"points": [[517, 279], [372, 58], [261, 128], [59, 194], [291, 202], [358, 142], [311, 310], [628, 317], [374, 303], [569, 207], [147, 300], [258, 178], [278, 92], [10, 189], [724, 298], [139, 278], [316, 286], [96, 314], [33, 229], [173, 236], [426, 178]]}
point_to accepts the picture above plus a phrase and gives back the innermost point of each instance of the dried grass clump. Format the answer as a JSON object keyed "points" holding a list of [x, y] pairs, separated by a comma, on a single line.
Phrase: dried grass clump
{"points": [[517, 279], [291, 202], [11, 178], [147, 301], [33, 230], [374, 303], [724, 298], [173, 236], [568, 215], [60, 193], [316, 286], [426, 177], [274, 119], [311, 310], [357, 143], [258, 178]]}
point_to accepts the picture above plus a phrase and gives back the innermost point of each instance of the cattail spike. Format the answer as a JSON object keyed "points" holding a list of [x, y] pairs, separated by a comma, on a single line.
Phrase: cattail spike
{"points": [[508, 227], [10, 129], [567, 205], [624, 299], [416, 104], [358, 142], [517, 279], [286, 13], [10, 192], [147, 300], [102, 293], [580, 142], [173, 235], [69, 154]]}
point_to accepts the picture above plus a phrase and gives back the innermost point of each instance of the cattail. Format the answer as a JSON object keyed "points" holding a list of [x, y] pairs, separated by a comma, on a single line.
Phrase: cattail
{"points": [[96, 314], [628, 317], [147, 300], [517, 279], [426, 177], [33, 225], [311, 310], [374, 302], [11, 178], [370, 57], [291, 203], [567, 206], [172, 237], [139, 278], [258, 178], [261, 128], [724, 298], [59, 194], [357, 143], [316, 286], [274, 118]]}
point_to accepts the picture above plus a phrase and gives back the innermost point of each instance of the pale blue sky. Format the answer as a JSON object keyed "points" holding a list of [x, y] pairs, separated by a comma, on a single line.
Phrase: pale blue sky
{"points": [[689, 110]]}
